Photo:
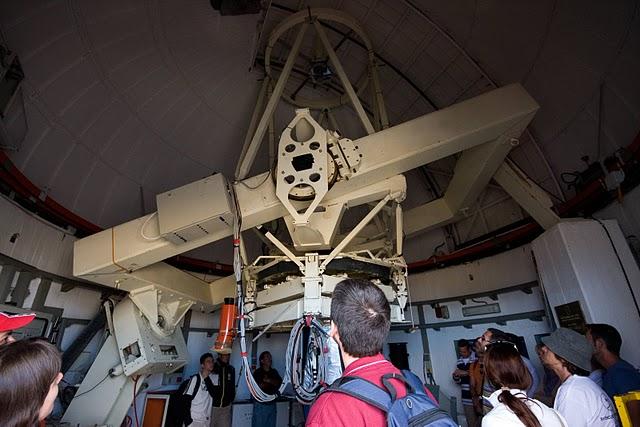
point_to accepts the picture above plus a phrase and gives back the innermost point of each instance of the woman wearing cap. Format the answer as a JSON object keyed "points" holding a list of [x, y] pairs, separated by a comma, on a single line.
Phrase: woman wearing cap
{"points": [[8, 323], [506, 372], [579, 400], [29, 378]]}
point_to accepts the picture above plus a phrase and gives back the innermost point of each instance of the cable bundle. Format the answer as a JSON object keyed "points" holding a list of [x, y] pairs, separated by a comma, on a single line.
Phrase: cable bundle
{"points": [[306, 362]]}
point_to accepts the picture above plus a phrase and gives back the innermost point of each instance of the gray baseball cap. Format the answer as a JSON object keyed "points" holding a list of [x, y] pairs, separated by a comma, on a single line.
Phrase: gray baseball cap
{"points": [[571, 346]]}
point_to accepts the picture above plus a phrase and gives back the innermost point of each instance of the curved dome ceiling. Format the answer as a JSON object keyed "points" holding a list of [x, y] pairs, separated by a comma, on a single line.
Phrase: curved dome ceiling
{"points": [[126, 99]]}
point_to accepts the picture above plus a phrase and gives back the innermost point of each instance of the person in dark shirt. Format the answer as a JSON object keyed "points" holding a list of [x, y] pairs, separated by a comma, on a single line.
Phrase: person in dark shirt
{"points": [[620, 376], [224, 391], [461, 377], [269, 380]]}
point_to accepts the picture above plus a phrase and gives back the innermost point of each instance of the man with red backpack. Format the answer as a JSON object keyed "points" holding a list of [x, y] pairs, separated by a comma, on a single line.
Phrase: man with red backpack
{"points": [[371, 391]]}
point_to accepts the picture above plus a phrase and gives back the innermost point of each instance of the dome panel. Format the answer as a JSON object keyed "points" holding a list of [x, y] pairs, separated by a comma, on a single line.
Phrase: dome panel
{"points": [[71, 175], [101, 131], [59, 93], [49, 63], [86, 108], [50, 153]]}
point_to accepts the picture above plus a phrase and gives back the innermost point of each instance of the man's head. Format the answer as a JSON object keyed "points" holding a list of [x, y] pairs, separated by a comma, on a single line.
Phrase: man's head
{"points": [[224, 358], [491, 335], [360, 317], [605, 339], [477, 346], [206, 362], [9, 323], [464, 348], [265, 360]]}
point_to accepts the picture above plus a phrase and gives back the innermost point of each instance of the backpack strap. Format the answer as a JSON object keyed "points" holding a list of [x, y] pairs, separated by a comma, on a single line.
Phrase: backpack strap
{"points": [[391, 389], [196, 388], [363, 390]]}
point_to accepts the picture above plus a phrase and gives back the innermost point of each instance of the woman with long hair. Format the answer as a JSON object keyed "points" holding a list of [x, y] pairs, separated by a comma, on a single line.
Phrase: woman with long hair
{"points": [[29, 377], [507, 373]]}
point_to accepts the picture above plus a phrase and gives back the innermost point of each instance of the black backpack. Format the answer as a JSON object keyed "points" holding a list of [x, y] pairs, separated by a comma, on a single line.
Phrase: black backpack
{"points": [[179, 413]]}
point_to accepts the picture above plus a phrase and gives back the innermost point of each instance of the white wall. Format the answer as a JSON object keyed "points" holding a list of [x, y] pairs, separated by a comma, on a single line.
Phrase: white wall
{"points": [[38, 243]]}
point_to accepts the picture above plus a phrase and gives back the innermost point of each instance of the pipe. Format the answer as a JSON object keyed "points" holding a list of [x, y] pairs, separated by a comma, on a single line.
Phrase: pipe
{"points": [[227, 332]]}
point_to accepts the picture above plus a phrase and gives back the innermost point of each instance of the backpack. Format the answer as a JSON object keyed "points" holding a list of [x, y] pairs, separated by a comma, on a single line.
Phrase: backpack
{"points": [[180, 404], [413, 410]]}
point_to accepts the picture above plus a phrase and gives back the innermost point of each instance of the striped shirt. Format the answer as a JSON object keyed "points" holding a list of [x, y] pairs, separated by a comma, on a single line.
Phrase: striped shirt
{"points": [[464, 364]]}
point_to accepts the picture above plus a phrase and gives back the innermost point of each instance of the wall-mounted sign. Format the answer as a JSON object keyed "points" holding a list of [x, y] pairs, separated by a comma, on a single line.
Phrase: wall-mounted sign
{"points": [[570, 316]]}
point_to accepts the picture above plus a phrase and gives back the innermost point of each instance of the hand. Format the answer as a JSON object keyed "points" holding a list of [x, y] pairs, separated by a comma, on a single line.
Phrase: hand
{"points": [[460, 373]]}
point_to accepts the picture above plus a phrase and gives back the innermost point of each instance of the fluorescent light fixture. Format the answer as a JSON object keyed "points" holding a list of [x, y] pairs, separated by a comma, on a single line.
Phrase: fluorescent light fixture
{"points": [[478, 310]]}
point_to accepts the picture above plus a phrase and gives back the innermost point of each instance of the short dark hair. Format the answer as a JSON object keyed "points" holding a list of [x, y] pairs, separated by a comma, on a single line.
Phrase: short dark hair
{"points": [[263, 354], [608, 334], [463, 343], [204, 357], [361, 313]]}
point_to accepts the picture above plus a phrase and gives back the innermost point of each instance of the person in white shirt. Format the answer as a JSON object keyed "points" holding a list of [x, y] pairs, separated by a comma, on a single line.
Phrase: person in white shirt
{"points": [[579, 399], [200, 393], [509, 375]]}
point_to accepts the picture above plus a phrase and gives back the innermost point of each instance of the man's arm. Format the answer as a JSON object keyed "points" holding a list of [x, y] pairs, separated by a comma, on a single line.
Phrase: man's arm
{"points": [[460, 373]]}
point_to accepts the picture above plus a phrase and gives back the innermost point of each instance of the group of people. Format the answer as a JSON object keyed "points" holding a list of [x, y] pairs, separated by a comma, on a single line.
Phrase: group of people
{"points": [[498, 384], [210, 393]]}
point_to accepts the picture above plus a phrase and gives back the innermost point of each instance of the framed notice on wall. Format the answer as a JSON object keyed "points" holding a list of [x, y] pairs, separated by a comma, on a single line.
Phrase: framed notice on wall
{"points": [[570, 316]]}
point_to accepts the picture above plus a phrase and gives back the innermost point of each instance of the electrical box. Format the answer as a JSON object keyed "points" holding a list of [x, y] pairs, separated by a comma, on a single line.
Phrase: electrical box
{"points": [[588, 275], [195, 210], [141, 350]]}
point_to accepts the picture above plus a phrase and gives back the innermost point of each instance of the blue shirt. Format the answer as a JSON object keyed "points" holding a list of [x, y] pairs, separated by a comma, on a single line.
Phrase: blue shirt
{"points": [[620, 378]]}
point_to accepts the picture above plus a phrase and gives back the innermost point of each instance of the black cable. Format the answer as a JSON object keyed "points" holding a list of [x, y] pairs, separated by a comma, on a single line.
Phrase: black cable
{"points": [[615, 251], [93, 388]]}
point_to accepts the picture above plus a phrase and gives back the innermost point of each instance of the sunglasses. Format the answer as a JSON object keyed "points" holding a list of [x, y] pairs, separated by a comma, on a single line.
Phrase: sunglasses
{"points": [[501, 342]]}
